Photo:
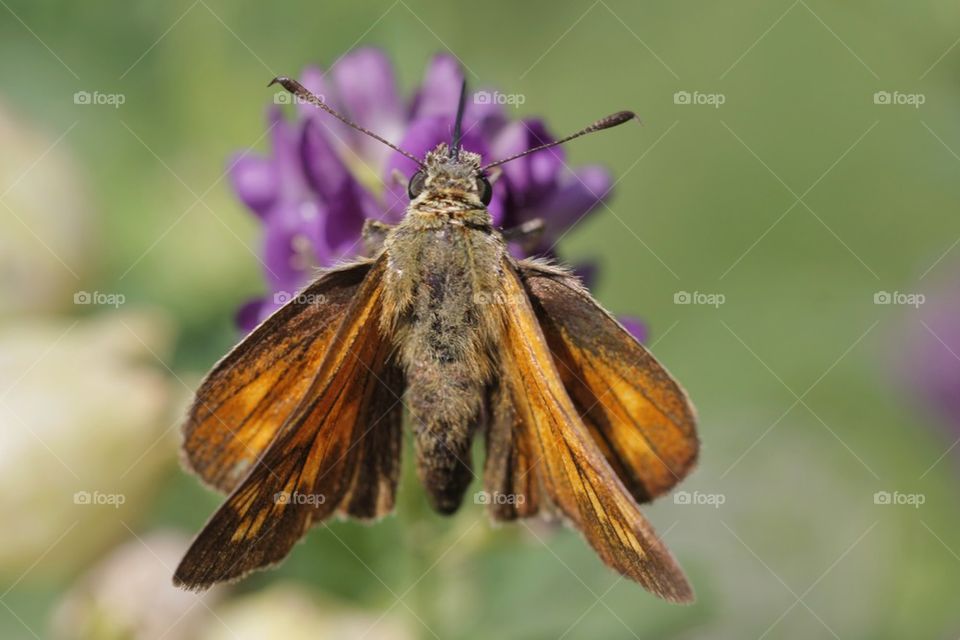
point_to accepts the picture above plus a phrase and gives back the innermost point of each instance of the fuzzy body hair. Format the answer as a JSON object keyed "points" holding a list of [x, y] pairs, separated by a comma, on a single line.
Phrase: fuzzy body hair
{"points": [[444, 265]]}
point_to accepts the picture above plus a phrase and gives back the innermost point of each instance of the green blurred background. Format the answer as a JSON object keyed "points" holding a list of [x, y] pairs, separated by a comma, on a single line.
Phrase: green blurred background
{"points": [[797, 200]]}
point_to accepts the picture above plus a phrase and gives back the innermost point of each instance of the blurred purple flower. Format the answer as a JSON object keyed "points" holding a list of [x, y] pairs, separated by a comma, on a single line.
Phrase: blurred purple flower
{"points": [[323, 179], [933, 355]]}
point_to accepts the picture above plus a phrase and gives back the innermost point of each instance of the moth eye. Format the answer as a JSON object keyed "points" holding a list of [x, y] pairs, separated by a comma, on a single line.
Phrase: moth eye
{"points": [[484, 189], [416, 184]]}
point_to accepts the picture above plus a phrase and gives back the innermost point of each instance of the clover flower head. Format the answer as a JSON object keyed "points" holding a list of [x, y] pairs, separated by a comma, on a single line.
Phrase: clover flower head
{"points": [[322, 179]]}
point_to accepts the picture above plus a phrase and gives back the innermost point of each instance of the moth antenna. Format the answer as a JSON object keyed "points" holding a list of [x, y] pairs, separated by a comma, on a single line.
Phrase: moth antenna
{"points": [[610, 121], [458, 123], [304, 94]]}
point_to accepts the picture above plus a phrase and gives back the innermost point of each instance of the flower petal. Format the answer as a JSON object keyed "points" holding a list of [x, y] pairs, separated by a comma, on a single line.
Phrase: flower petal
{"points": [[533, 177], [439, 95], [324, 169], [587, 272], [933, 369], [635, 326], [578, 194], [348, 204], [343, 138], [316, 82], [440, 90], [484, 115], [284, 139], [294, 244], [367, 89], [250, 314], [255, 180]]}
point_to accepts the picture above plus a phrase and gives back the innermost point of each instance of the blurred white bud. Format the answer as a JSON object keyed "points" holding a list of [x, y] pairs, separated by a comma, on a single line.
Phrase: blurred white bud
{"points": [[293, 612], [45, 218], [87, 425], [130, 595]]}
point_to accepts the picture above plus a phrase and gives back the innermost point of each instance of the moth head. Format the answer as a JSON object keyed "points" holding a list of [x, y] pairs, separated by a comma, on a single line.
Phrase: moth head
{"points": [[452, 169], [460, 173], [448, 167]]}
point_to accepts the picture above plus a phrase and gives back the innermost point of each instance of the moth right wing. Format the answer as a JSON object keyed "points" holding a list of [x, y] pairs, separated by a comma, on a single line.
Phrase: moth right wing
{"points": [[242, 402], [568, 463], [638, 414]]}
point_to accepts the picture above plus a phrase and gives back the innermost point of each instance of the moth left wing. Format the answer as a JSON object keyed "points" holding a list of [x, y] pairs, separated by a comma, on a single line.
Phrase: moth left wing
{"points": [[338, 451], [569, 464], [373, 486], [639, 416], [244, 400]]}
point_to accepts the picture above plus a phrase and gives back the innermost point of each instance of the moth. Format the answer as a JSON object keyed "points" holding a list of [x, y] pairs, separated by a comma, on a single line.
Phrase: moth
{"points": [[303, 420]]}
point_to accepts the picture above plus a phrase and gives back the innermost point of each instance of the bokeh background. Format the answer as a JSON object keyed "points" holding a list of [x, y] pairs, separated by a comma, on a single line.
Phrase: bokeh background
{"points": [[810, 220]]}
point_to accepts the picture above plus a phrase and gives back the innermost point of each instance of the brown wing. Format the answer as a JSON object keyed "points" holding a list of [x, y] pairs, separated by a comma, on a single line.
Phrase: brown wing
{"points": [[508, 478], [241, 404], [639, 416], [377, 470], [311, 469], [571, 468]]}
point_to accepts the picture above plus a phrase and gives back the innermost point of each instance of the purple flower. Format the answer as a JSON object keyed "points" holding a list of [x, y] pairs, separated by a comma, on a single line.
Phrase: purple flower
{"points": [[323, 179], [933, 356]]}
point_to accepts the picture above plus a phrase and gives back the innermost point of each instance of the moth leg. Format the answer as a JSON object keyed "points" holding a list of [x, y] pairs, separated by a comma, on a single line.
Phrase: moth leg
{"points": [[528, 234], [373, 234]]}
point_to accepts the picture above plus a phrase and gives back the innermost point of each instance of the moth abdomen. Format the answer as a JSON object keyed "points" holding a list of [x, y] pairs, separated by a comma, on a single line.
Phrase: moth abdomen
{"points": [[445, 408]]}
